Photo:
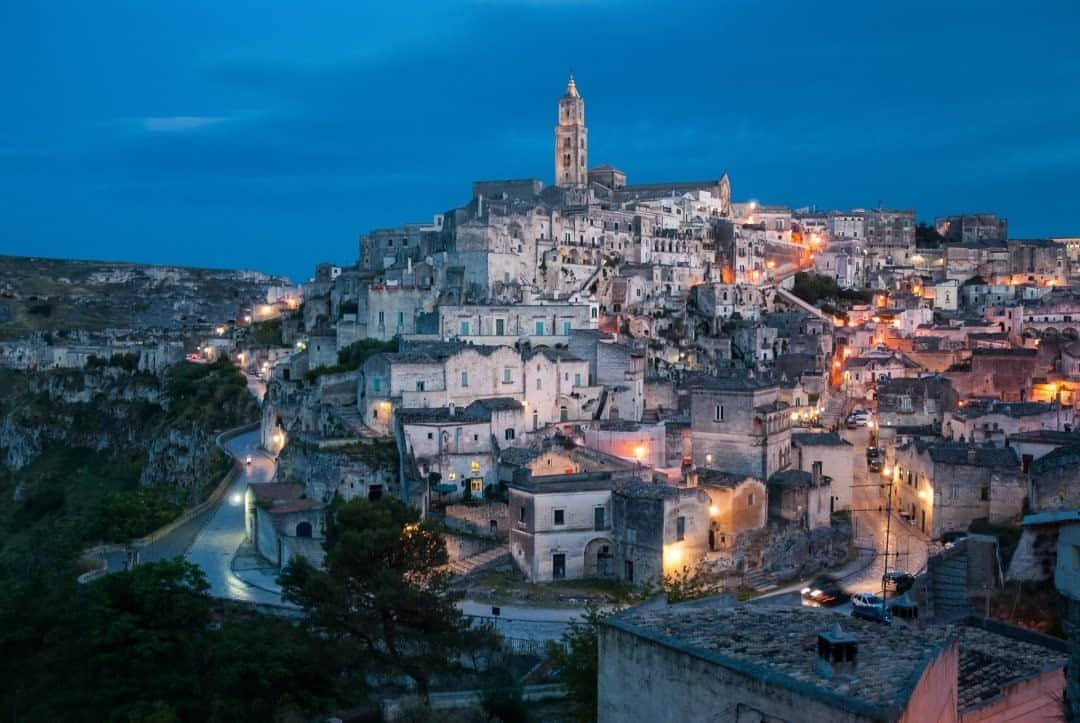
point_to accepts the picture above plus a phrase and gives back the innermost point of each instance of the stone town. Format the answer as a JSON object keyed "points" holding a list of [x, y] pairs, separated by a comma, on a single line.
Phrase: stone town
{"points": [[623, 381]]}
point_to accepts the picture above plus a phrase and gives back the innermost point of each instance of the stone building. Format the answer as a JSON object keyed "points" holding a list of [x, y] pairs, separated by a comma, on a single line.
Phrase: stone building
{"points": [[992, 422], [837, 458], [801, 497], [660, 529], [283, 523], [944, 486], [460, 445], [737, 504], [972, 228], [739, 426], [560, 526], [604, 524], [916, 402], [705, 660]]}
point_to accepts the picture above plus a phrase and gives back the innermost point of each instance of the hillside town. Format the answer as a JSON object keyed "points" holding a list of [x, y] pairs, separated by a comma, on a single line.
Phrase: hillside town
{"points": [[596, 384]]}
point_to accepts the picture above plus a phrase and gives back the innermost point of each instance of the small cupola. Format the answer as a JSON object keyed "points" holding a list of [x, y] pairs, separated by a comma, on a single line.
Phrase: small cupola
{"points": [[837, 651]]}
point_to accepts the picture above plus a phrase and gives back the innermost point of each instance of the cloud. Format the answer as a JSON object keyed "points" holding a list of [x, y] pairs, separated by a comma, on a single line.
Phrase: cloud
{"points": [[179, 123]]}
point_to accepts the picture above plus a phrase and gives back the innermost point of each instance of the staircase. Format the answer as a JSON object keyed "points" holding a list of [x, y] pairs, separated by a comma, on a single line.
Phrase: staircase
{"points": [[350, 418], [834, 410], [760, 580], [469, 565]]}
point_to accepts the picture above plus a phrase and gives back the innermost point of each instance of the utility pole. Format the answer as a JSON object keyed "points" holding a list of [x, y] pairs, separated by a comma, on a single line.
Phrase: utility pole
{"points": [[888, 527]]}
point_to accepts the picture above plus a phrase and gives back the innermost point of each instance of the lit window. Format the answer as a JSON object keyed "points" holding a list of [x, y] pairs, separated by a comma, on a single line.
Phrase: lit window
{"points": [[452, 476], [475, 467], [476, 485]]}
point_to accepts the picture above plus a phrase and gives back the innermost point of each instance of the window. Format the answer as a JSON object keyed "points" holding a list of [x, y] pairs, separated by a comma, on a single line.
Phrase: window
{"points": [[521, 513], [476, 485], [381, 318], [598, 518], [539, 328], [401, 319], [509, 434], [376, 384], [558, 566], [539, 384], [464, 379], [577, 379], [508, 375], [475, 467], [419, 386], [500, 327], [464, 328], [718, 413], [954, 492], [476, 438], [430, 435], [750, 500], [984, 494], [680, 528], [566, 328], [560, 517]]}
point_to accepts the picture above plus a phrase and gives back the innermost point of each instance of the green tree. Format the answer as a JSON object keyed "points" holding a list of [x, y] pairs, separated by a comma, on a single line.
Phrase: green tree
{"points": [[576, 657], [382, 592], [138, 646]]}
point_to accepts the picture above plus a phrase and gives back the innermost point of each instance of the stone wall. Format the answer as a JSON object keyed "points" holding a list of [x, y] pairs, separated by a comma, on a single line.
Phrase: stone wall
{"points": [[640, 680], [491, 520]]}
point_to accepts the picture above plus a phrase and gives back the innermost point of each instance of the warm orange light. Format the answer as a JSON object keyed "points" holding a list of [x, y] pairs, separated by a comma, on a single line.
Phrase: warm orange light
{"points": [[714, 510], [836, 364], [639, 451]]}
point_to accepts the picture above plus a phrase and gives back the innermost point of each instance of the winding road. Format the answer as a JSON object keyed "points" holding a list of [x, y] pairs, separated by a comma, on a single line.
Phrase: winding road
{"points": [[216, 543]]}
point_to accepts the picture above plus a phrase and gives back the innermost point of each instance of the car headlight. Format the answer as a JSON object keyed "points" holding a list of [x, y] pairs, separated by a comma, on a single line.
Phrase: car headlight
{"points": [[815, 593], [806, 591]]}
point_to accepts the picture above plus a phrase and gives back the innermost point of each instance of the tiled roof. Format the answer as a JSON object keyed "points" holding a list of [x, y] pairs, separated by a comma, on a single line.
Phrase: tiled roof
{"points": [[961, 454], [991, 659], [780, 645], [817, 439], [793, 478]]}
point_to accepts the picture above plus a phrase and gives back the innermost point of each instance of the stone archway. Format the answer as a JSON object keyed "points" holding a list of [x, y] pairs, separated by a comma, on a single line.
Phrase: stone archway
{"points": [[303, 529], [600, 558]]}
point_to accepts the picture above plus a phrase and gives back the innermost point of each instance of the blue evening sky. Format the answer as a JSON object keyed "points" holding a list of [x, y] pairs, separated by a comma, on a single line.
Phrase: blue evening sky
{"points": [[269, 134]]}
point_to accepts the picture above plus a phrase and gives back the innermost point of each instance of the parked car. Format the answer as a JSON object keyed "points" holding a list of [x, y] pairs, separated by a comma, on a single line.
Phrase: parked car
{"points": [[898, 581], [867, 600], [873, 452], [875, 464], [953, 536], [825, 590], [876, 613]]}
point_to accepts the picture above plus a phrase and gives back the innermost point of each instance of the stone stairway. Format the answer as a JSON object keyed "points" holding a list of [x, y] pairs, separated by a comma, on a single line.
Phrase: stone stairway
{"points": [[469, 565], [834, 410], [351, 419], [760, 580]]}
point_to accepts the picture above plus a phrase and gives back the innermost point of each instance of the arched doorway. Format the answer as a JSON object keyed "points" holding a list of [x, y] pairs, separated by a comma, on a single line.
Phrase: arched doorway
{"points": [[303, 529], [600, 558]]}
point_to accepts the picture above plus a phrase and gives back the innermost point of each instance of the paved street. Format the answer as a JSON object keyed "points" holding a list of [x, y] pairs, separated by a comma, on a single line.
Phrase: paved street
{"points": [[870, 524], [216, 543]]}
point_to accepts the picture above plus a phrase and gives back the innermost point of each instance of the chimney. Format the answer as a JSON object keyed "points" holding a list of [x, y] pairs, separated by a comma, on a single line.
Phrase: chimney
{"points": [[815, 473], [837, 651]]}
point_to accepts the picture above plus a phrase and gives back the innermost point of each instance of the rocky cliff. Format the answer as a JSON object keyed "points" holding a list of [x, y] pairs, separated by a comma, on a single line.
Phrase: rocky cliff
{"points": [[112, 449]]}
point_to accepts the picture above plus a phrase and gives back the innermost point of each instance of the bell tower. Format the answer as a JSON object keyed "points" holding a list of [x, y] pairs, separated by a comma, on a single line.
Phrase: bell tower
{"points": [[571, 140]]}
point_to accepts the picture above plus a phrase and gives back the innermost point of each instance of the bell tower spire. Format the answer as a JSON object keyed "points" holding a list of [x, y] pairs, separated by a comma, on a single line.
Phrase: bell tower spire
{"points": [[571, 139]]}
